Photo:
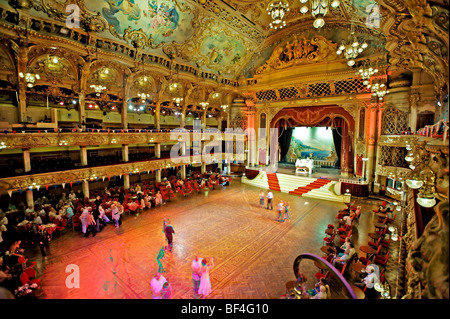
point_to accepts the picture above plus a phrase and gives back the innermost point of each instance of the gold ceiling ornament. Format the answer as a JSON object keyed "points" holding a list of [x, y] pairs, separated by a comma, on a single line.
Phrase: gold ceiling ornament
{"points": [[300, 51], [277, 10], [139, 39], [319, 9]]}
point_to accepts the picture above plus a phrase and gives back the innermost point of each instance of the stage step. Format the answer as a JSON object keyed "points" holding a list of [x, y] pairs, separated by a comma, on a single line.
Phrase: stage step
{"points": [[273, 181], [295, 185], [314, 185]]}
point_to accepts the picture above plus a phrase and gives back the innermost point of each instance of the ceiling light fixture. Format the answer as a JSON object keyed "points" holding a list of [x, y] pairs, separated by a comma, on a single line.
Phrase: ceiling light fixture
{"points": [[319, 9], [30, 78], [277, 10]]}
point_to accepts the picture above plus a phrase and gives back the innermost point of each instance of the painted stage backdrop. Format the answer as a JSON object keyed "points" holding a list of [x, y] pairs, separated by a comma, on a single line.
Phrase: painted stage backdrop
{"points": [[315, 140]]}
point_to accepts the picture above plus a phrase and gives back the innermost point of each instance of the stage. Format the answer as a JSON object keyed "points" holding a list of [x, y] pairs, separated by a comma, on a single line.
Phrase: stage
{"points": [[323, 183], [289, 168]]}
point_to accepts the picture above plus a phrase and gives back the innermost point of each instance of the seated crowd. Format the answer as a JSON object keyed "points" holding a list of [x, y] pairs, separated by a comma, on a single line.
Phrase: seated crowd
{"points": [[339, 250], [37, 224]]}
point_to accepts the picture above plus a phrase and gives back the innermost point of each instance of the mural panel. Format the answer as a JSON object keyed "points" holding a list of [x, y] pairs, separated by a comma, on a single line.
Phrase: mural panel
{"points": [[162, 20], [317, 141]]}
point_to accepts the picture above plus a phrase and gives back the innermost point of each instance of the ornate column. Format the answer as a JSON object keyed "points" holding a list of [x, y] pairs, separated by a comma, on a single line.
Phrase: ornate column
{"points": [[29, 197], [22, 61], [158, 155], [125, 153], [83, 156], [82, 110], [183, 153], [126, 181], [371, 115], [126, 93], [26, 160], [204, 120], [158, 116], [413, 99], [183, 116], [85, 185], [219, 123]]}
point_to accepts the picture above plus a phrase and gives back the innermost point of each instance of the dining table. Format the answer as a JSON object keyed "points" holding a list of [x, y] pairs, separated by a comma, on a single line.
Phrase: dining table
{"points": [[358, 292], [321, 266], [379, 226], [328, 250], [50, 228], [374, 236], [358, 267], [367, 250]]}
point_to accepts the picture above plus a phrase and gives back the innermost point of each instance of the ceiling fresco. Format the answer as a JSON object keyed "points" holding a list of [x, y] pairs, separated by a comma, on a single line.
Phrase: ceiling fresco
{"points": [[164, 20], [229, 37]]}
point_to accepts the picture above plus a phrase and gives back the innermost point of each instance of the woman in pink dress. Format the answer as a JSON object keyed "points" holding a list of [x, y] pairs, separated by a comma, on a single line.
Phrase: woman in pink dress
{"points": [[205, 284]]}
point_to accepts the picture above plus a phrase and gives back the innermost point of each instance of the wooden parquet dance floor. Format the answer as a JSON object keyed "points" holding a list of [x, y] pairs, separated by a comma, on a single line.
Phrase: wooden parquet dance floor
{"points": [[254, 253]]}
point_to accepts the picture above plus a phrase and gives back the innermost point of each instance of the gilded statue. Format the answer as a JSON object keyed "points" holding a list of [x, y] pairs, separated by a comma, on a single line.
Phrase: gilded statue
{"points": [[299, 51]]}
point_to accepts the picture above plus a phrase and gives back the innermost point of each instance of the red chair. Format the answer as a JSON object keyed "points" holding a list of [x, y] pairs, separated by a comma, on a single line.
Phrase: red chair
{"points": [[329, 240], [62, 225], [375, 245], [381, 260], [126, 209], [342, 240], [25, 279], [391, 220], [366, 260], [76, 221], [385, 243]]}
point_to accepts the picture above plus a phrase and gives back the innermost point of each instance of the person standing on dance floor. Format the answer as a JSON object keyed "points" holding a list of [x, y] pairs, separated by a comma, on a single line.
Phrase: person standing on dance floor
{"points": [[261, 199], [156, 285], [158, 199], [167, 291], [280, 211], [84, 220], [168, 231], [115, 213], [286, 211], [269, 200], [195, 266], [205, 283]]}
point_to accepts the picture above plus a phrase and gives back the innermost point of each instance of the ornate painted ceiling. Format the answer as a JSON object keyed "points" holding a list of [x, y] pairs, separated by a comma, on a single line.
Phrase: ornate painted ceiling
{"points": [[230, 37]]}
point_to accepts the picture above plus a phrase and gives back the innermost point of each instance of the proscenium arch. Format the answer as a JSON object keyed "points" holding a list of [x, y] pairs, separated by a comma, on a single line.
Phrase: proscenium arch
{"points": [[316, 114]]}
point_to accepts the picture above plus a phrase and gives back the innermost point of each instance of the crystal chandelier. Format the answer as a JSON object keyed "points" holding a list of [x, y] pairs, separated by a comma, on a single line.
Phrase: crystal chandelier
{"points": [[204, 104], [319, 9], [351, 48], [30, 78], [277, 10], [143, 96], [177, 100], [98, 88], [224, 107], [366, 72], [378, 87]]}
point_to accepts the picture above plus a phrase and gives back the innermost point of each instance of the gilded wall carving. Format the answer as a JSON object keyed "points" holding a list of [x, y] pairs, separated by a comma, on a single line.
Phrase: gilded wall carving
{"points": [[24, 182], [428, 259], [300, 51]]}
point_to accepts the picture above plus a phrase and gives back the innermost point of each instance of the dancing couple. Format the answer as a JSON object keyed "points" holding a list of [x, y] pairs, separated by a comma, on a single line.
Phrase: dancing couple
{"points": [[200, 275]]}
